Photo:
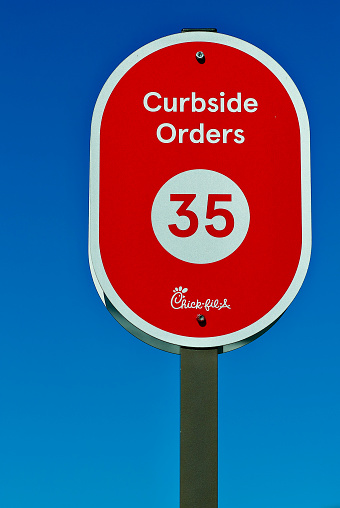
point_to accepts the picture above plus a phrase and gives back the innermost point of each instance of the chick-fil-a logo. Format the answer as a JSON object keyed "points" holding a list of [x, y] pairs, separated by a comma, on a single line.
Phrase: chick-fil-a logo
{"points": [[179, 301]]}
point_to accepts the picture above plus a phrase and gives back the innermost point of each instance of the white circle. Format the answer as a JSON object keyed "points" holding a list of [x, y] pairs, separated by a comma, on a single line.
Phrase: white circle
{"points": [[200, 247]]}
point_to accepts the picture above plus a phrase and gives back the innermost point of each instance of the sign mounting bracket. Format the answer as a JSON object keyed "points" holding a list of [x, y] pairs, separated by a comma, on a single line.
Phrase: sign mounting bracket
{"points": [[185, 30]]}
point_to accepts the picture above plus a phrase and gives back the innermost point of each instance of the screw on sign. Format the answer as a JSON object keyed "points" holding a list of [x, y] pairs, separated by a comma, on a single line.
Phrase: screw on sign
{"points": [[199, 192]]}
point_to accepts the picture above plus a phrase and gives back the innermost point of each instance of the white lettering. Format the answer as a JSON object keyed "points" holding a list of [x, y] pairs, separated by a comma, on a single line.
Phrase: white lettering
{"points": [[199, 104], [250, 105], [198, 135], [200, 132], [180, 134], [238, 104], [145, 101], [225, 134], [182, 101], [238, 136], [176, 300], [213, 136], [222, 94], [173, 133], [174, 104], [195, 99], [212, 105]]}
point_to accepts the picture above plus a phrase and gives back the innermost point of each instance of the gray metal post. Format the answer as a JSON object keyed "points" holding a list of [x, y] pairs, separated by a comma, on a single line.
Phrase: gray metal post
{"points": [[198, 461]]}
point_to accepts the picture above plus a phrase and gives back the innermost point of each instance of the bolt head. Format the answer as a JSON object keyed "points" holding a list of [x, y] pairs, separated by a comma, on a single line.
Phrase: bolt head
{"points": [[200, 55], [201, 319]]}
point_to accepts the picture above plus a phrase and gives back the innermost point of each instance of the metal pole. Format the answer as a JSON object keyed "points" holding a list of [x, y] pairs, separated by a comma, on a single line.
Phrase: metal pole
{"points": [[198, 460]]}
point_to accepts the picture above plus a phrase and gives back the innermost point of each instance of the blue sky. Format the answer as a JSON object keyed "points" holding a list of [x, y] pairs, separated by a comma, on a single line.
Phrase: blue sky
{"points": [[89, 415]]}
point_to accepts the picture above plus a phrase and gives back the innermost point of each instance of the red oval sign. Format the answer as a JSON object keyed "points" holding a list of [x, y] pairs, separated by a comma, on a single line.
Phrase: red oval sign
{"points": [[200, 194]]}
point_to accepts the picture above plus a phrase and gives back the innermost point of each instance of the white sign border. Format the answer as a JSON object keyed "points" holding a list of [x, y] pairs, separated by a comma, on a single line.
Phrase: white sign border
{"points": [[123, 314]]}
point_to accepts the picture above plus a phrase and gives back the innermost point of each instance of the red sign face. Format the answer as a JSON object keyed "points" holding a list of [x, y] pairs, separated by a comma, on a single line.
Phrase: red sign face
{"points": [[200, 198]]}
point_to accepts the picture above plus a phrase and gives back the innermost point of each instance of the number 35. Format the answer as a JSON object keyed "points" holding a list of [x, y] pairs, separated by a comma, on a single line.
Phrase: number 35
{"points": [[212, 212]]}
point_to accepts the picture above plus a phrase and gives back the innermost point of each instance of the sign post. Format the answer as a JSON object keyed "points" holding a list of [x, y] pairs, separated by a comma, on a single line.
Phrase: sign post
{"points": [[198, 485], [200, 213]]}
